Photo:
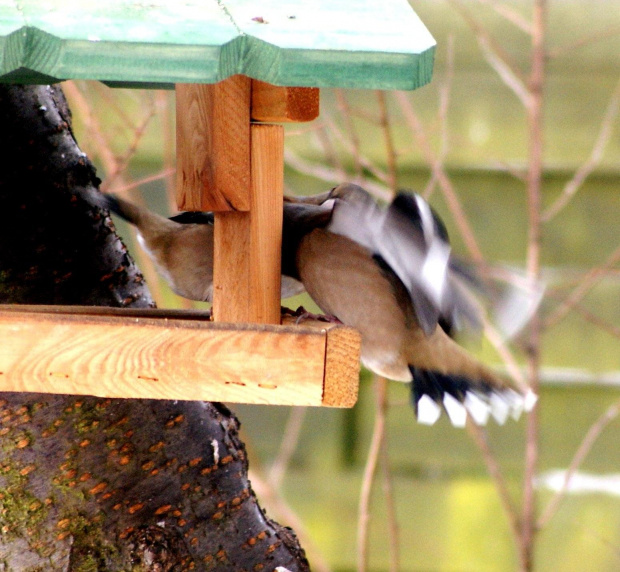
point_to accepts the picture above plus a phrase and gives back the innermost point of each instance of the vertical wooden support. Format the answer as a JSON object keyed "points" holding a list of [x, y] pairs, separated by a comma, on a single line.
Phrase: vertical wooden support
{"points": [[267, 160], [213, 145]]}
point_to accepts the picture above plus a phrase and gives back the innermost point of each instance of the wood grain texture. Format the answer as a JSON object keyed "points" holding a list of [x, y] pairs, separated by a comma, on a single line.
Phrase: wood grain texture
{"points": [[277, 104], [231, 267], [129, 356], [342, 359], [213, 145], [267, 160]]}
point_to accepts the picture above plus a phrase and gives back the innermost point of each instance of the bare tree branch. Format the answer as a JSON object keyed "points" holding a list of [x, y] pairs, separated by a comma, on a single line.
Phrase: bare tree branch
{"points": [[376, 444], [290, 439], [496, 57], [604, 134], [583, 450], [443, 180], [586, 284], [509, 14], [584, 41]]}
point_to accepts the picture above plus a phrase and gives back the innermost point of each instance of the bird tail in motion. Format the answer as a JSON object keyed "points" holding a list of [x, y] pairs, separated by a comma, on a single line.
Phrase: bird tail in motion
{"points": [[459, 397]]}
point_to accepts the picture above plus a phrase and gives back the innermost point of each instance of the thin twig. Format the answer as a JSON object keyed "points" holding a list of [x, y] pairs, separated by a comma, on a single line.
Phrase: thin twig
{"points": [[496, 57], [388, 138], [444, 102], [345, 111], [584, 448], [443, 180], [336, 132], [534, 106], [480, 438], [370, 469], [282, 511], [332, 176], [590, 280], [584, 41], [290, 439], [509, 14], [165, 174], [604, 134]]}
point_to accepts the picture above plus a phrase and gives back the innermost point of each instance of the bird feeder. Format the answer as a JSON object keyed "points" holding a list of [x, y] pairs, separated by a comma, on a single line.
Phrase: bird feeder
{"points": [[240, 69]]}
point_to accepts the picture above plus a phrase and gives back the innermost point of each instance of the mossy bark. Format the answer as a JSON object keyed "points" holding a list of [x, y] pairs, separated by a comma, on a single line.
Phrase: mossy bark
{"points": [[90, 484]]}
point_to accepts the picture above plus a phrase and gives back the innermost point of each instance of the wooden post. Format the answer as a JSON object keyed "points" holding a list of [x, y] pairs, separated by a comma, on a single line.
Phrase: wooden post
{"points": [[236, 170]]}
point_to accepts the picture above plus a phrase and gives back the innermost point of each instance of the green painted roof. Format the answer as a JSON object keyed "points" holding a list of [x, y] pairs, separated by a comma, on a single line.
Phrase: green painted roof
{"points": [[378, 44]]}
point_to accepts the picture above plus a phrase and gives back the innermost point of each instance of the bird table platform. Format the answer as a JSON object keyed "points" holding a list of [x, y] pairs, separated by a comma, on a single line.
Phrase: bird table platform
{"points": [[240, 69]]}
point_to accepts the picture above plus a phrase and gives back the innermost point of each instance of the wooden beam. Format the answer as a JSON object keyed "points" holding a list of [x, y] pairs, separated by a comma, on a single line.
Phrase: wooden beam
{"points": [[213, 145], [267, 160], [277, 104], [173, 355]]}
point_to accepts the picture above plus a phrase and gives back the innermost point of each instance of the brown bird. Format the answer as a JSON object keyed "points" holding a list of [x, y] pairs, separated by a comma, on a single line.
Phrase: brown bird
{"points": [[389, 273], [181, 247]]}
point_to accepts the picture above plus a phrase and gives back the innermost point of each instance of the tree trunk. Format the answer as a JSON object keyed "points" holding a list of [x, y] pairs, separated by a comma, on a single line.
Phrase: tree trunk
{"points": [[105, 484]]}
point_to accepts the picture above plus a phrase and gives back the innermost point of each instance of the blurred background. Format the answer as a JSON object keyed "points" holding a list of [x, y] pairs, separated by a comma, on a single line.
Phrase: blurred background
{"points": [[369, 488]]}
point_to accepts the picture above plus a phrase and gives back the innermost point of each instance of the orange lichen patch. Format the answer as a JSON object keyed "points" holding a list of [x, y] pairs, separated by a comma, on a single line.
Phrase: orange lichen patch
{"points": [[185, 486], [111, 443], [154, 472], [125, 533], [21, 410], [58, 422], [221, 555], [121, 421], [195, 461], [175, 421], [156, 447], [163, 509], [148, 465], [136, 507], [226, 460], [219, 515], [252, 541], [262, 535], [108, 495], [99, 488], [4, 431], [35, 505], [124, 460], [193, 541], [207, 470], [23, 443], [85, 443], [85, 477], [64, 523], [259, 566], [71, 473], [128, 434], [63, 535], [126, 448], [176, 513], [181, 522], [27, 470], [236, 501], [117, 506]]}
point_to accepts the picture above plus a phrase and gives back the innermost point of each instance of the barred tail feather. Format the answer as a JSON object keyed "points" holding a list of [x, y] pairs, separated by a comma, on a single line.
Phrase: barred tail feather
{"points": [[432, 391]]}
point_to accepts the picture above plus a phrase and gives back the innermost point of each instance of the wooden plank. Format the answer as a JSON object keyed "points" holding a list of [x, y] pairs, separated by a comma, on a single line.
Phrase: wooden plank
{"points": [[267, 153], [324, 43], [213, 145], [129, 356], [232, 267], [277, 104]]}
